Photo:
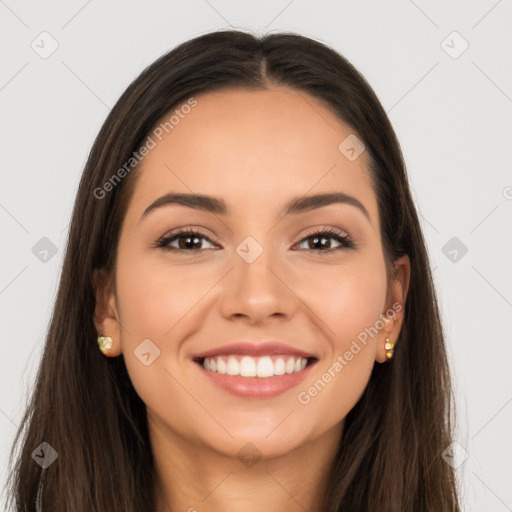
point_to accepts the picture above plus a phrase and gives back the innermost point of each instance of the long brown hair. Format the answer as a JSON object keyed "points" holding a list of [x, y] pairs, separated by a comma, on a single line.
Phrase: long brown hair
{"points": [[84, 405]]}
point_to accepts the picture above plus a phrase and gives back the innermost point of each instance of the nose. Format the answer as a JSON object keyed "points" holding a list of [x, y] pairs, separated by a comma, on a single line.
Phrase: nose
{"points": [[257, 291]]}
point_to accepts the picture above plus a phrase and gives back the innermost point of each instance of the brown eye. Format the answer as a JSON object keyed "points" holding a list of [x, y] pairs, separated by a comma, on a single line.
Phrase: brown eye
{"points": [[321, 241], [186, 241]]}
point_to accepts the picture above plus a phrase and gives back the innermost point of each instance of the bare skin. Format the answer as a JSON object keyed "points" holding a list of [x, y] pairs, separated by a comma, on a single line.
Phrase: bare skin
{"points": [[256, 151]]}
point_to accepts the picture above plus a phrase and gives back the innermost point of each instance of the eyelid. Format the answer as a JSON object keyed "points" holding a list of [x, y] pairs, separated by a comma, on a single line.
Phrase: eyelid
{"points": [[187, 229], [323, 230]]}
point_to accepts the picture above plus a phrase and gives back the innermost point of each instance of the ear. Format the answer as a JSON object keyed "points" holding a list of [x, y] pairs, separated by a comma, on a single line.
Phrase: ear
{"points": [[106, 316], [393, 316]]}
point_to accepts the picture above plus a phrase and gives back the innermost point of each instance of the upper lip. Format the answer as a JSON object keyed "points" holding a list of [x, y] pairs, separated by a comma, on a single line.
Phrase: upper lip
{"points": [[254, 349]]}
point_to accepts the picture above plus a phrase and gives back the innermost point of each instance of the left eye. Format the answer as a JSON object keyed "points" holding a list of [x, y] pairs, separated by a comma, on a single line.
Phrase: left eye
{"points": [[319, 239]]}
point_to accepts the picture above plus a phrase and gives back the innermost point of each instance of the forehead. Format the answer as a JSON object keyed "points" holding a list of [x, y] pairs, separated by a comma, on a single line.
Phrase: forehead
{"points": [[256, 146]]}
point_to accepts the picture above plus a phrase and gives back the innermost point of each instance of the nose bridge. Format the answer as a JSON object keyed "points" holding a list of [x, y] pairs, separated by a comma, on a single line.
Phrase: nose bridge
{"points": [[254, 288], [254, 261]]}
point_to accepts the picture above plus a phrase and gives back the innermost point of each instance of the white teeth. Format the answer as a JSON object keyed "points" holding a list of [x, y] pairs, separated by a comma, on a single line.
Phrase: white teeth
{"points": [[221, 365], [247, 367], [290, 365], [261, 367], [279, 367], [233, 367], [265, 367]]}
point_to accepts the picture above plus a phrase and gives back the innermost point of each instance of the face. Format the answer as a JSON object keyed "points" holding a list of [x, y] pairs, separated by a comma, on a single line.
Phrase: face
{"points": [[251, 276]]}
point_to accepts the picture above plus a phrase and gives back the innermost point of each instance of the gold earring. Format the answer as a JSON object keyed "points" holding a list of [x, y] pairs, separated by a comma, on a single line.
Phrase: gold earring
{"points": [[105, 343], [389, 348]]}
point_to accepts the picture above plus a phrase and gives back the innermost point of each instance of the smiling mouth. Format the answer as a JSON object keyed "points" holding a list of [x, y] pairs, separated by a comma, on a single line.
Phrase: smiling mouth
{"points": [[261, 367]]}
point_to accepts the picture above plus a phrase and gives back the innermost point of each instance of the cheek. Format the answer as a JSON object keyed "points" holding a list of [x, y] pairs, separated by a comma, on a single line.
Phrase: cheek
{"points": [[156, 296], [347, 299], [162, 304], [342, 376]]}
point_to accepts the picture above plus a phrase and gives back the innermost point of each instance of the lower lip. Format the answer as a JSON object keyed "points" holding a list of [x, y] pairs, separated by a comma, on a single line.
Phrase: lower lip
{"points": [[255, 387]]}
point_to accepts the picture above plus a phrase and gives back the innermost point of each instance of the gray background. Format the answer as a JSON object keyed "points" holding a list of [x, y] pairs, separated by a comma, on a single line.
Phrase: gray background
{"points": [[451, 111]]}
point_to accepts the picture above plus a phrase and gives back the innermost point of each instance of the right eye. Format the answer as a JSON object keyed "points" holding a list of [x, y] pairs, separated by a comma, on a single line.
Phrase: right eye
{"points": [[187, 240]]}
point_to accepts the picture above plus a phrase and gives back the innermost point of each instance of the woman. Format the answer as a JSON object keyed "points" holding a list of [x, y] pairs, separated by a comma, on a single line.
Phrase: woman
{"points": [[245, 249]]}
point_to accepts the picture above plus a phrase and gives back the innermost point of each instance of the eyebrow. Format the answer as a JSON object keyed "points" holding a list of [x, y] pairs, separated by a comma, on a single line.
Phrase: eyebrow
{"points": [[219, 207]]}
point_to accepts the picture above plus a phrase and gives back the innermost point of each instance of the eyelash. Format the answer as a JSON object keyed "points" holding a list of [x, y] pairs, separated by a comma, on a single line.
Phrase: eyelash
{"points": [[345, 241]]}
